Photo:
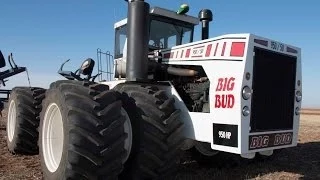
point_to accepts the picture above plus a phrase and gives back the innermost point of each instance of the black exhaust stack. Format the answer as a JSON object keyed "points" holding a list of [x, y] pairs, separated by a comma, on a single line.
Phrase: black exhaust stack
{"points": [[205, 17], [137, 40]]}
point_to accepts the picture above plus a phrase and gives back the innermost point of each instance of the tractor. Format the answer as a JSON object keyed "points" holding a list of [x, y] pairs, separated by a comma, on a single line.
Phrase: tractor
{"points": [[169, 94]]}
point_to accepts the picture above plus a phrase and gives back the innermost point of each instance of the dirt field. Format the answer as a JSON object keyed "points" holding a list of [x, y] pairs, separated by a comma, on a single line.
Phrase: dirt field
{"points": [[301, 162]]}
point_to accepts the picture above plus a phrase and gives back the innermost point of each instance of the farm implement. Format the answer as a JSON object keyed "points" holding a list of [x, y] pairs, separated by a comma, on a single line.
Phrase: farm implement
{"points": [[6, 74]]}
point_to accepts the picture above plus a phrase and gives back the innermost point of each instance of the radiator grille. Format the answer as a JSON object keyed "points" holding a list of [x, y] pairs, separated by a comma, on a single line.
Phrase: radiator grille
{"points": [[273, 91]]}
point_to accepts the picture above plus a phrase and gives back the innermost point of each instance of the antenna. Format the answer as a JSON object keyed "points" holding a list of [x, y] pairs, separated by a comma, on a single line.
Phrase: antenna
{"points": [[114, 15]]}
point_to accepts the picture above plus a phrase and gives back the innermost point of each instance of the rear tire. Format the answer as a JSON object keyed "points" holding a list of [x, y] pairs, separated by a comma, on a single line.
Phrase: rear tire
{"points": [[23, 119], [156, 132], [89, 129]]}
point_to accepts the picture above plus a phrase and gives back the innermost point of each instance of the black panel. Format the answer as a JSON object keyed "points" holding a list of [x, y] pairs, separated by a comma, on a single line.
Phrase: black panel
{"points": [[273, 91], [270, 140], [226, 135]]}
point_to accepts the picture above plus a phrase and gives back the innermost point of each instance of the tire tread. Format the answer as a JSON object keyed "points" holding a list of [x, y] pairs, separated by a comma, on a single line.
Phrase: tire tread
{"points": [[89, 106], [27, 119]]}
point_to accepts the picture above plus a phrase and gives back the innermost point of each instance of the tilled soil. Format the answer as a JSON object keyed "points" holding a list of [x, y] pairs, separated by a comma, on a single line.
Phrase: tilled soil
{"points": [[301, 162]]}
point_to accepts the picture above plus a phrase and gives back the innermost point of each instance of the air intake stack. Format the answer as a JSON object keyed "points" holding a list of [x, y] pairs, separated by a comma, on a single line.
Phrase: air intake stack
{"points": [[205, 17], [138, 38]]}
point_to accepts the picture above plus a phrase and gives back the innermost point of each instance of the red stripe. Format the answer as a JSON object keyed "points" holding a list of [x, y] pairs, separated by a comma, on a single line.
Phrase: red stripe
{"points": [[188, 53], [223, 48], [215, 51], [181, 54], [237, 49], [208, 51], [167, 55], [172, 54]]}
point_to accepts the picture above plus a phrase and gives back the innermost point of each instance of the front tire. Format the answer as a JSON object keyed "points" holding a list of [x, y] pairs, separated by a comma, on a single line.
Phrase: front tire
{"points": [[203, 154], [23, 119], [81, 132]]}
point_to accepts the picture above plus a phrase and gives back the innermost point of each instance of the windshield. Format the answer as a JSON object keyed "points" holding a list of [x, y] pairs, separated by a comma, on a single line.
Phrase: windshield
{"points": [[120, 41], [162, 36]]}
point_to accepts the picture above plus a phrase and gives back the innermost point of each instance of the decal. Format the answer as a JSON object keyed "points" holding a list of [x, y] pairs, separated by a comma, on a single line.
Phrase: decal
{"points": [[171, 54], [223, 97], [216, 49], [223, 48], [181, 56], [277, 46], [208, 51], [269, 140], [198, 51], [232, 49], [226, 135], [237, 49], [188, 53]]}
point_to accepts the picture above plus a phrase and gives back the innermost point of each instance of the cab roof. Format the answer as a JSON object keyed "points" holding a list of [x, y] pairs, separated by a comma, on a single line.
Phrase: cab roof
{"points": [[157, 11]]}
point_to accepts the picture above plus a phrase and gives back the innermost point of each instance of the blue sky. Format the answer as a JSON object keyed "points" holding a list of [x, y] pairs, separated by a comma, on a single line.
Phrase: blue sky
{"points": [[43, 34]]}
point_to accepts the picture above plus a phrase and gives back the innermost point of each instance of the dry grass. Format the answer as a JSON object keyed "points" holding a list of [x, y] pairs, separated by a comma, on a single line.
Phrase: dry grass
{"points": [[310, 111], [301, 162]]}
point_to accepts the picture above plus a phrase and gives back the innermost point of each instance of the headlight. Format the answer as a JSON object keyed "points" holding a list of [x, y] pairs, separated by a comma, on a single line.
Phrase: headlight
{"points": [[298, 96], [246, 111], [297, 111], [248, 75], [246, 93]]}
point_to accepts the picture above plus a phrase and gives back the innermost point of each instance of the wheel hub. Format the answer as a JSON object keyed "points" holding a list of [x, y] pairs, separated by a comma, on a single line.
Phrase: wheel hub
{"points": [[128, 131], [11, 124], [52, 137]]}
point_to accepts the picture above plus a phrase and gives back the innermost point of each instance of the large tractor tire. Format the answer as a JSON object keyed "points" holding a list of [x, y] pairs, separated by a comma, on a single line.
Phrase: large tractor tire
{"points": [[156, 131], [23, 119], [82, 132]]}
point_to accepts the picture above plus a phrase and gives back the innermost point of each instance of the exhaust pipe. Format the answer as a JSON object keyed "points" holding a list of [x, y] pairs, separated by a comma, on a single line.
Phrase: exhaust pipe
{"points": [[205, 17], [173, 70], [137, 40]]}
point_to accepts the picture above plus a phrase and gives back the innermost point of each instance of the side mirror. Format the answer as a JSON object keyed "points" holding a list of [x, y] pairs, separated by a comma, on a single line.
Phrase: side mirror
{"points": [[2, 60], [87, 67]]}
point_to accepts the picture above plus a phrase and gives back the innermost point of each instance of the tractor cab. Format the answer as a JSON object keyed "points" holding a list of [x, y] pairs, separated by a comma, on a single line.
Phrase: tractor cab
{"points": [[166, 28]]}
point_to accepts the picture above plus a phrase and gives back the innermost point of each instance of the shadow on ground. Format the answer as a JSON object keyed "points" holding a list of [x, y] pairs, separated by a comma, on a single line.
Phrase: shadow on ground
{"points": [[301, 162]]}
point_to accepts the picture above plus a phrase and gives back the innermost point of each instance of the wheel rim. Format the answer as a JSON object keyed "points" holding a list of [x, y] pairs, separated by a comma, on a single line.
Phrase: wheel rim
{"points": [[205, 149], [52, 137], [11, 124], [128, 131]]}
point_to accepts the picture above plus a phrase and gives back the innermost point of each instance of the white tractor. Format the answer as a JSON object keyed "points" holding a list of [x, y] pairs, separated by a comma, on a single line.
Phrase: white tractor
{"points": [[235, 93]]}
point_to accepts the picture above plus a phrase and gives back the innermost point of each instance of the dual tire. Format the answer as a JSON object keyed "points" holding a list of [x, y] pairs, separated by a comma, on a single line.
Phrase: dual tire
{"points": [[82, 132], [90, 132]]}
